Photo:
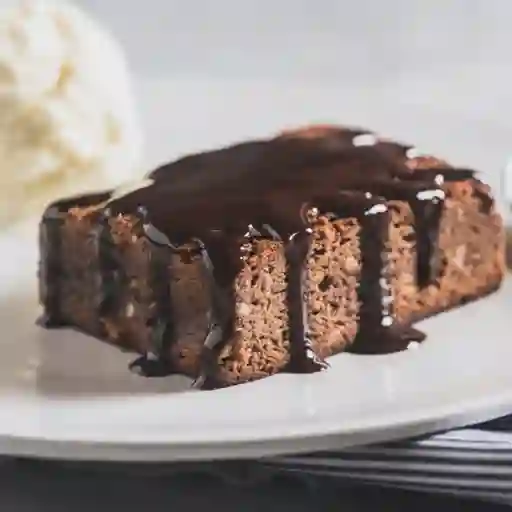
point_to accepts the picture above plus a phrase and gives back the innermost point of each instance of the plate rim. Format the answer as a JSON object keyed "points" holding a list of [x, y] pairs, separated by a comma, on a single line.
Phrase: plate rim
{"points": [[411, 425]]}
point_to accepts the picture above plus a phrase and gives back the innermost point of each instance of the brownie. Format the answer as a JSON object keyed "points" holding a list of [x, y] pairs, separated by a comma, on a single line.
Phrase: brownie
{"points": [[271, 255]]}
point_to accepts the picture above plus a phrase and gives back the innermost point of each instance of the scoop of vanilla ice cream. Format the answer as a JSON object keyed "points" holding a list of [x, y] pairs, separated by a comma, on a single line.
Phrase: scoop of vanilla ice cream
{"points": [[67, 115]]}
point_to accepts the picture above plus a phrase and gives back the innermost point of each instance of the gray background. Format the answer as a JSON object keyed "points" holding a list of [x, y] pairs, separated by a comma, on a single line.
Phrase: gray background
{"points": [[349, 41]]}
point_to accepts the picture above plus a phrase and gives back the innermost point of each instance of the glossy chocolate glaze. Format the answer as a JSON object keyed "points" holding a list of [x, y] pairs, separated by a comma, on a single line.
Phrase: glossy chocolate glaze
{"points": [[162, 330], [220, 323], [303, 358], [221, 200], [157, 363]]}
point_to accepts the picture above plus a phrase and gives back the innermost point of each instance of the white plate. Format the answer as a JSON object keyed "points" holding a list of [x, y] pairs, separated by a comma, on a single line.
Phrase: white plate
{"points": [[66, 395]]}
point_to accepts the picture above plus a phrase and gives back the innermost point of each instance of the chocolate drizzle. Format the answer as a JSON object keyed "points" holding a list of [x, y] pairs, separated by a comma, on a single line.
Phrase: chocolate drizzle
{"points": [[303, 358], [427, 207], [221, 200], [376, 319], [158, 363], [219, 323], [160, 248]]}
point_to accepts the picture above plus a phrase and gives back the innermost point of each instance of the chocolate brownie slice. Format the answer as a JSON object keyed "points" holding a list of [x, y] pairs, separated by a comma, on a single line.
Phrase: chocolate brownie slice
{"points": [[271, 255]]}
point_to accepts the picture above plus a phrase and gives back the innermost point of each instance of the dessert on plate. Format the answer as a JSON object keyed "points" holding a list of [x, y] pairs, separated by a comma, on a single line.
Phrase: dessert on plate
{"points": [[67, 113], [271, 255]]}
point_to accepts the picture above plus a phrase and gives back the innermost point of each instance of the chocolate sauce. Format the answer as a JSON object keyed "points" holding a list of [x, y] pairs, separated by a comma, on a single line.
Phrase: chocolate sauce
{"points": [[396, 338], [160, 249], [220, 323], [151, 365], [378, 332], [377, 329], [427, 208], [207, 378], [297, 246], [158, 362], [303, 358]]}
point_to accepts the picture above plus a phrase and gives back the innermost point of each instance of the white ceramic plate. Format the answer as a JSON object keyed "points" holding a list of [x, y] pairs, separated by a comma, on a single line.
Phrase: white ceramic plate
{"points": [[66, 395]]}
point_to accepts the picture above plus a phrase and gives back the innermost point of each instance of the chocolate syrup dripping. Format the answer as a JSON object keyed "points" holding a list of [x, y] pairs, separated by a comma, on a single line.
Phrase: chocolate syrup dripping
{"points": [[163, 334], [378, 331], [219, 325], [206, 379], [157, 363], [427, 212], [150, 365], [220, 317], [221, 252], [396, 339], [374, 292], [303, 358]]}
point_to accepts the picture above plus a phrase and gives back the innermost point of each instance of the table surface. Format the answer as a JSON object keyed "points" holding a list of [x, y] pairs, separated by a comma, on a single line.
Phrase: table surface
{"points": [[36, 486]]}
